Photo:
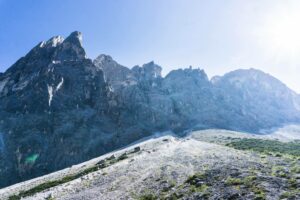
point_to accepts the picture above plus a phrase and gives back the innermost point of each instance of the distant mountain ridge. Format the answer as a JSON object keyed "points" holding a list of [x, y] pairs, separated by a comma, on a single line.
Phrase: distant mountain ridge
{"points": [[58, 107]]}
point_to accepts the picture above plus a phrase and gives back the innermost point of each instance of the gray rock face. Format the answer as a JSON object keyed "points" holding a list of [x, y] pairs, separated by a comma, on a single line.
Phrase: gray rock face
{"points": [[54, 110], [117, 75], [257, 99], [58, 108]]}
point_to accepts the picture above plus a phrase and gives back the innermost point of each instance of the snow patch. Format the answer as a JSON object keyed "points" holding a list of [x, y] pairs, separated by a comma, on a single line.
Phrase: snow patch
{"points": [[80, 39], [50, 92], [60, 84], [42, 44], [56, 41], [55, 62], [110, 89]]}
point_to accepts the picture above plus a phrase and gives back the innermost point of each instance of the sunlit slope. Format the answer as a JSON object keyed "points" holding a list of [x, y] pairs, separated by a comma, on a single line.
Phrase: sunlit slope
{"points": [[206, 164]]}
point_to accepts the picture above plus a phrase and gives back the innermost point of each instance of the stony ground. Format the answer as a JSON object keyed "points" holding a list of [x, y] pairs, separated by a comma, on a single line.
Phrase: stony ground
{"points": [[203, 165]]}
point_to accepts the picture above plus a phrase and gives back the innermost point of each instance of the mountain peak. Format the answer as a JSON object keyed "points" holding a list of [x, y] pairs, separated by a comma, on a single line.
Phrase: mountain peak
{"points": [[52, 42], [71, 48], [250, 75], [103, 58], [75, 37], [149, 70], [197, 74]]}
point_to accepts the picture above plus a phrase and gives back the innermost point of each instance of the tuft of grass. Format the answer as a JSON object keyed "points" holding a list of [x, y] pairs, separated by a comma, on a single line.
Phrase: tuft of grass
{"points": [[192, 180], [123, 156], [259, 193], [148, 197], [248, 181], [295, 169], [201, 188], [279, 171], [289, 194], [292, 183], [233, 181]]}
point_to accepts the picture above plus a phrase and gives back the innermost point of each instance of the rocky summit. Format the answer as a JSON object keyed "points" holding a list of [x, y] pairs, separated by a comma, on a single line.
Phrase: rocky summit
{"points": [[59, 108]]}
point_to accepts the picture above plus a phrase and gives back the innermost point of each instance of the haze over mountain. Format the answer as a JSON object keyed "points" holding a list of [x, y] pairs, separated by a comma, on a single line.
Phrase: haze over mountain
{"points": [[58, 107]]}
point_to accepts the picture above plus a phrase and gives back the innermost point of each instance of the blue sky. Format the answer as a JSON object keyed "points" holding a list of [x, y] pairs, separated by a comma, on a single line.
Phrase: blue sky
{"points": [[216, 35]]}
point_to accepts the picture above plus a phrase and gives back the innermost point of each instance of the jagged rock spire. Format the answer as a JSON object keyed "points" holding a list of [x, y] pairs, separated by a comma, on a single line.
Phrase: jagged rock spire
{"points": [[71, 48]]}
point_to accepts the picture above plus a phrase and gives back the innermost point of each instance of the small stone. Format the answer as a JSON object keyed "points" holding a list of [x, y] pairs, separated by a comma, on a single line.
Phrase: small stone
{"points": [[136, 149], [100, 162], [112, 157], [199, 183]]}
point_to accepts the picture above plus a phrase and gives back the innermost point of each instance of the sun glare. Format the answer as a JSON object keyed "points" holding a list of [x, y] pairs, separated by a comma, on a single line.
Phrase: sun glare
{"points": [[281, 32]]}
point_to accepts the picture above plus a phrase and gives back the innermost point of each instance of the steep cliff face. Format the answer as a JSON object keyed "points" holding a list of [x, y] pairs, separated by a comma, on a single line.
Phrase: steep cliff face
{"points": [[58, 108], [244, 100], [116, 75], [54, 110]]}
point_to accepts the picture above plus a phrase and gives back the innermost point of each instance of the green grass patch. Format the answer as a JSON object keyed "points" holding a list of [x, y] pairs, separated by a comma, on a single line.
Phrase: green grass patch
{"points": [[259, 192], [148, 197], [192, 180], [233, 181], [290, 194], [267, 146], [103, 164], [51, 184], [280, 171], [296, 169]]}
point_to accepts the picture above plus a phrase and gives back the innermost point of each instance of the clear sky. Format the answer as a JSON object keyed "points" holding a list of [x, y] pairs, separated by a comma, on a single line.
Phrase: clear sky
{"points": [[216, 35]]}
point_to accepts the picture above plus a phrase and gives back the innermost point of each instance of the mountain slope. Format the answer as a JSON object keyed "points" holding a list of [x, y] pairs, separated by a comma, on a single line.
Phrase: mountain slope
{"points": [[258, 98], [59, 108], [204, 165]]}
